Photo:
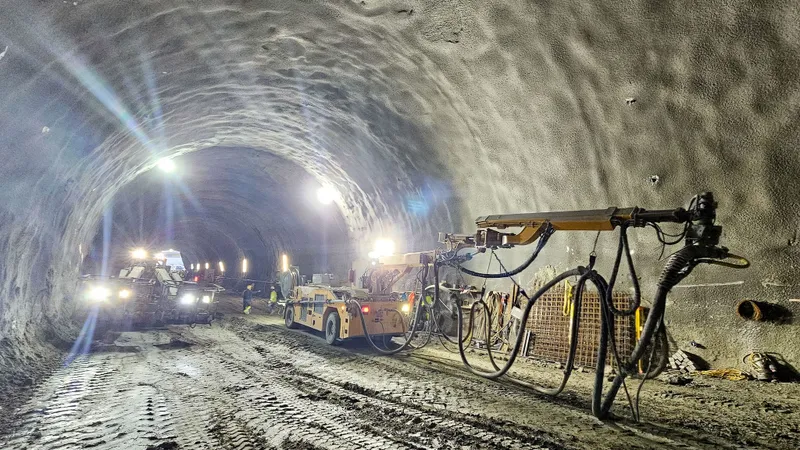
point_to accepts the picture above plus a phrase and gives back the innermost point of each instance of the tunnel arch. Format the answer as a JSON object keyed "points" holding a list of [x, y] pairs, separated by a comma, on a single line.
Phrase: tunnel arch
{"points": [[257, 205], [423, 121]]}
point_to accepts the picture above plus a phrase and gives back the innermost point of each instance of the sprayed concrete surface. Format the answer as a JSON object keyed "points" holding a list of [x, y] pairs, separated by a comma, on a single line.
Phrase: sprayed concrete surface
{"points": [[422, 114], [248, 382]]}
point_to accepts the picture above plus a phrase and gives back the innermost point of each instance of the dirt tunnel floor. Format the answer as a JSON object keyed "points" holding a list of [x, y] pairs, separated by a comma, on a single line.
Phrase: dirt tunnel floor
{"points": [[247, 382]]}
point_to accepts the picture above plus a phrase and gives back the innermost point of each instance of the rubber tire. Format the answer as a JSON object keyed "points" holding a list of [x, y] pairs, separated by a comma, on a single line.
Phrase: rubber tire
{"points": [[288, 318], [332, 329]]}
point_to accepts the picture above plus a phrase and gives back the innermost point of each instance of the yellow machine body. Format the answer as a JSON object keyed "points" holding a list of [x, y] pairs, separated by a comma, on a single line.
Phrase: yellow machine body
{"points": [[384, 315]]}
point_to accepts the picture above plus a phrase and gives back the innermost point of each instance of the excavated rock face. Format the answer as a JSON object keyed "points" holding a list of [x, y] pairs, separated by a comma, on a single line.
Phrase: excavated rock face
{"points": [[421, 114]]}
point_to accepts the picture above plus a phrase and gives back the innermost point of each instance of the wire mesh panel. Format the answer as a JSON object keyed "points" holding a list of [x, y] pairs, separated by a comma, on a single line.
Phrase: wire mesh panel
{"points": [[549, 325]]}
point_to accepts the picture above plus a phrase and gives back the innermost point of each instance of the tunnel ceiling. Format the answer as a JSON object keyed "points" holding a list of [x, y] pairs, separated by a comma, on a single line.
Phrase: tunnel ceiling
{"points": [[422, 114], [225, 204]]}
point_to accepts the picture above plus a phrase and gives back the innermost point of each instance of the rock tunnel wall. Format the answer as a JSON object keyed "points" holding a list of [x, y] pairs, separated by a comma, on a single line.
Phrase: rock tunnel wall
{"points": [[422, 115]]}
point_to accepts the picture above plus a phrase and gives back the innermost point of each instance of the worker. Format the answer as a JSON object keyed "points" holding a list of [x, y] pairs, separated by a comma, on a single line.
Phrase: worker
{"points": [[273, 299], [247, 298]]}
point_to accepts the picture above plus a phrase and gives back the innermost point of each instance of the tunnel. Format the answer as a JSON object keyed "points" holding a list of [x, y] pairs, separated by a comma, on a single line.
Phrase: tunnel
{"points": [[414, 118]]}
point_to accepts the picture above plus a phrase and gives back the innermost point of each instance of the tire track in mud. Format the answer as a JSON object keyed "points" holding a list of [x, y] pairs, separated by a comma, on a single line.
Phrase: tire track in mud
{"points": [[90, 404], [247, 386], [392, 385], [459, 391], [401, 423]]}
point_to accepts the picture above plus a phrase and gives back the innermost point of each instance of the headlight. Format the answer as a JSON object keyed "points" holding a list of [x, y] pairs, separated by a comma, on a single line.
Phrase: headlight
{"points": [[99, 294], [405, 308], [206, 299], [125, 293], [188, 299]]}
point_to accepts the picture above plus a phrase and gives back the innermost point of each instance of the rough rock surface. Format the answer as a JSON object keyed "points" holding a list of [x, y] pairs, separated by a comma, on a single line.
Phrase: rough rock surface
{"points": [[422, 114]]}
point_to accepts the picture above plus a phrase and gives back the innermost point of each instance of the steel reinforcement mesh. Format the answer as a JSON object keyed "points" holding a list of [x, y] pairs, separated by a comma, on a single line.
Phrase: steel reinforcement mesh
{"points": [[549, 324]]}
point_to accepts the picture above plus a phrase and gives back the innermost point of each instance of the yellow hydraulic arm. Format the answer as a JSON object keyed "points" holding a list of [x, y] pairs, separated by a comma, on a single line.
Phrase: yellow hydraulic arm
{"points": [[534, 224]]}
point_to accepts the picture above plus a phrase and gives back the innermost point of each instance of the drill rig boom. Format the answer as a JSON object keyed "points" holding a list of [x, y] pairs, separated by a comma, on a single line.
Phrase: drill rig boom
{"points": [[534, 224]]}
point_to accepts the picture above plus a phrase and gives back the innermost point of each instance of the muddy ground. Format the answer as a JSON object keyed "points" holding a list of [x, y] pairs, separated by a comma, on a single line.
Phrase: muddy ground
{"points": [[247, 382]]}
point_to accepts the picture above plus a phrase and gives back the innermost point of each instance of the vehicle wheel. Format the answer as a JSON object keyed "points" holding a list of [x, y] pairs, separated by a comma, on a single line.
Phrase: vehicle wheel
{"points": [[332, 328], [288, 318]]}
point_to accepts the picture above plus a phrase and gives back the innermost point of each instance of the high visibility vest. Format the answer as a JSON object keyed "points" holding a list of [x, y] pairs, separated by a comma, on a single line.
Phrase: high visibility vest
{"points": [[273, 297]]}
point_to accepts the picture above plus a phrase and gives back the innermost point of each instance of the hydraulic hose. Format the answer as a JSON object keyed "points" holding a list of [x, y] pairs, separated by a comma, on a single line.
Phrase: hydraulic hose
{"points": [[488, 316], [542, 241], [372, 343], [574, 328], [437, 300], [407, 344], [515, 351], [678, 267], [637, 295]]}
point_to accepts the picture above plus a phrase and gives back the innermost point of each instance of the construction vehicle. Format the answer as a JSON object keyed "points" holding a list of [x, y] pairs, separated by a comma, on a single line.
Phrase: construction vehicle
{"points": [[336, 311], [332, 310], [146, 293]]}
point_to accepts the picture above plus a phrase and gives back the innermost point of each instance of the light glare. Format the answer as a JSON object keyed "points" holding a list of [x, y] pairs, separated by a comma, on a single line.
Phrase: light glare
{"points": [[326, 195], [99, 293], [244, 265], [221, 266], [285, 262], [166, 164], [383, 247], [139, 253]]}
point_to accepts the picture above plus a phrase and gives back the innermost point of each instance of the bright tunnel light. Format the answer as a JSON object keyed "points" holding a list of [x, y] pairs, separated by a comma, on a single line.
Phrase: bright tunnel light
{"points": [[285, 262], [383, 247], [221, 266], [326, 195], [166, 164], [139, 253], [125, 293], [99, 293], [207, 266], [244, 265]]}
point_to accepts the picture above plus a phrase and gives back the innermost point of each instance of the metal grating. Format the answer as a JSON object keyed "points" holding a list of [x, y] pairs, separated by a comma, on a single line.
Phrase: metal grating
{"points": [[549, 325]]}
